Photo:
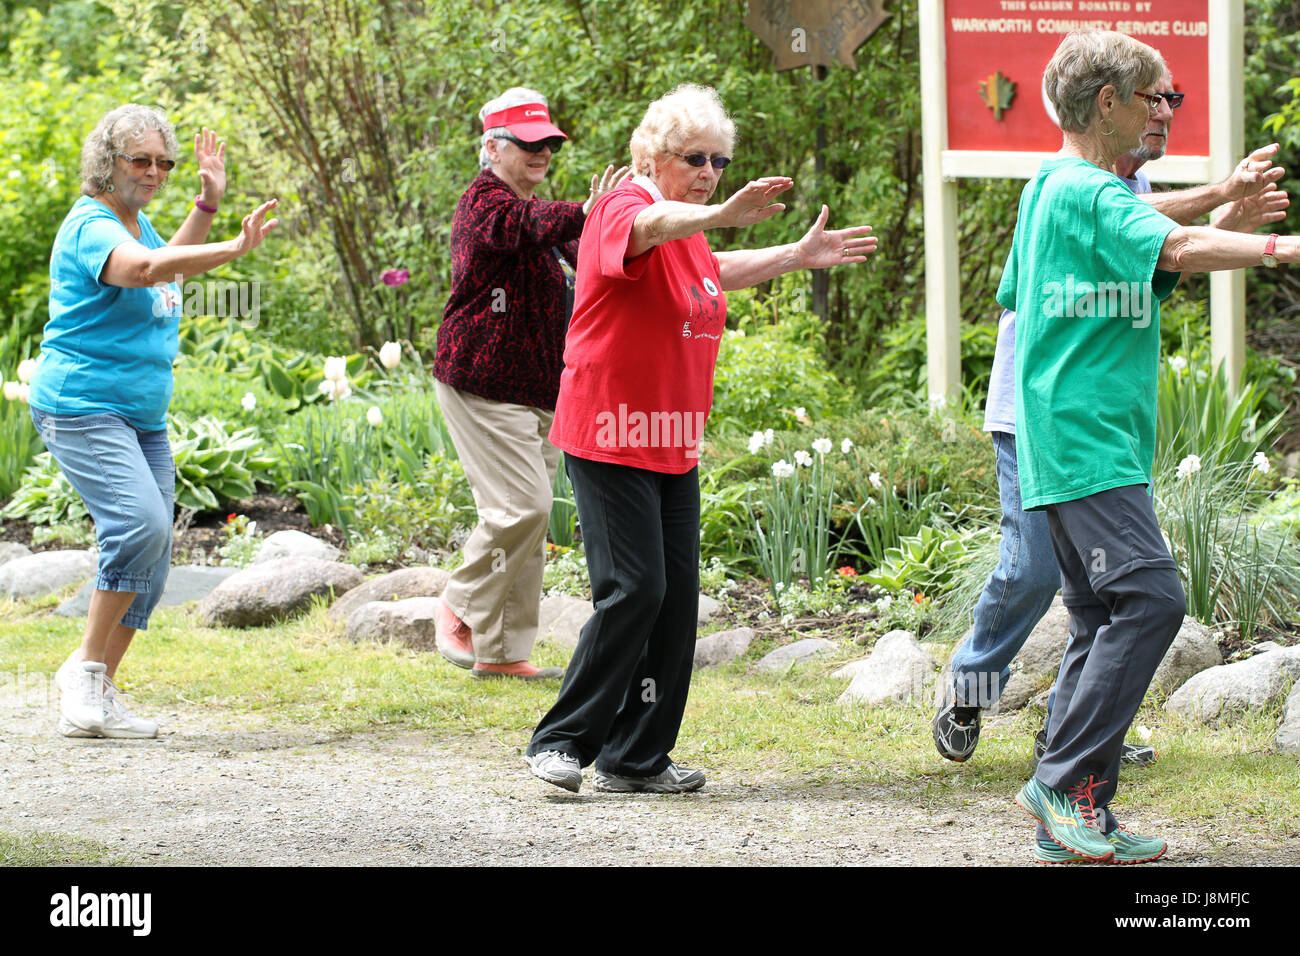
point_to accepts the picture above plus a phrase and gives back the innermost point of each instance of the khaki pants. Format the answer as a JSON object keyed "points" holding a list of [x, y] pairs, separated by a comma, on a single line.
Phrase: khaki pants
{"points": [[511, 467]]}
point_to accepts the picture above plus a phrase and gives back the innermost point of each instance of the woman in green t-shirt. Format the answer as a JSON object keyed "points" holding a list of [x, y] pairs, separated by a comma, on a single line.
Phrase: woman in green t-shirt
{"points": [[1090, 263]]}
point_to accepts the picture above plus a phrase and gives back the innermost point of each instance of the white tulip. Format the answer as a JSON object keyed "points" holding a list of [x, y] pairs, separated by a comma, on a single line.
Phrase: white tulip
{"points": [[336, 367], [328, 387], [23, 392], [249, 401], [390, 354], [755, 442], [846, 446], [26, 368], [11, 390], [375, 416], [343, 389], [782, 469], [822, 446]]}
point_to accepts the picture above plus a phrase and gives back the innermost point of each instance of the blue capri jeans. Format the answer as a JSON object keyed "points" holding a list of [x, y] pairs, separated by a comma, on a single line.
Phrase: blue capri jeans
{"points": [[127, 479]]}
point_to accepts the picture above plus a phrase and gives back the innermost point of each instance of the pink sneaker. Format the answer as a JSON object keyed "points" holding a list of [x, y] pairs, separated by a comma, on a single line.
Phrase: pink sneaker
{"points": [[520, 669], [454, 638]]}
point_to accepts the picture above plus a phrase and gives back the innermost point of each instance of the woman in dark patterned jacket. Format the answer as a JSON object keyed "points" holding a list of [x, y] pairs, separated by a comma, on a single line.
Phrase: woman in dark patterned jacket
{"points": [[500, 354]]}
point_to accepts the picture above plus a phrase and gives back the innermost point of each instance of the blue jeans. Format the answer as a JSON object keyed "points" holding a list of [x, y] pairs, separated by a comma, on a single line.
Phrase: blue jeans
{"points": [[127, 479], [1016, 596]]}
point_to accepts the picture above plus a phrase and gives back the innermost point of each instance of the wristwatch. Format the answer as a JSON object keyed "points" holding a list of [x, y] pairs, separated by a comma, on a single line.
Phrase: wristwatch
{"points": [[1268, 258]]}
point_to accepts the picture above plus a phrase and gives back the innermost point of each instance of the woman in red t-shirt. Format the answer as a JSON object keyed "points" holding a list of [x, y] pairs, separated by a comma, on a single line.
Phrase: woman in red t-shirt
{"points": [[636, 390]]}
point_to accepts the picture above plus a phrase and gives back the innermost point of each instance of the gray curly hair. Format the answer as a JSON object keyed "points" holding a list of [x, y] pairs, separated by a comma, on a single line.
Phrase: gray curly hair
{"points": [[1087, 61], [116, 133]]}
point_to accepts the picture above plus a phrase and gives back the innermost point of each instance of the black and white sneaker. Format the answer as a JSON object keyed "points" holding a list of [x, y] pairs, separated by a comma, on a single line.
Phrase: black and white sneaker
{"points": [[674, 779], [956, 731], [557, 767], [1135, 755]]}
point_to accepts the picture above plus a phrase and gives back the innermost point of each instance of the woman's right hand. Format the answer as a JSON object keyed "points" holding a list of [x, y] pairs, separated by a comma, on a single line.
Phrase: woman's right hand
{"points": [[752, 203], [255, 228]]}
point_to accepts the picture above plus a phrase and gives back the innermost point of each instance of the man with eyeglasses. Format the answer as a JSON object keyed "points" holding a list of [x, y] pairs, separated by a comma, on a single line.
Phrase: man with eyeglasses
{"points": [[1022, 586]]}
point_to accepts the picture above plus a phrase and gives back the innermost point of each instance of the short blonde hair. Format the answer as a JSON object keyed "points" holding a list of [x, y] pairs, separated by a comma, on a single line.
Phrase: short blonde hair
{"points": [[1089, 60], [120, 130], [675, 119]]}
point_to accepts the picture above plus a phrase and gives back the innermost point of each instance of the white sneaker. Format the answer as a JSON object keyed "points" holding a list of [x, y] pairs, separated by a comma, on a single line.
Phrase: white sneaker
{"points": [[81, 697], [673, 779], [556, 767], [119, 722]]}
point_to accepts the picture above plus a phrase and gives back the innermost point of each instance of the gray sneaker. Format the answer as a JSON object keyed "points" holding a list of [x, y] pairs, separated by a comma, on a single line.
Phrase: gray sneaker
{"points": [[956, 731], [81, 694], [121, 723], [557, 767], [674, 779]]}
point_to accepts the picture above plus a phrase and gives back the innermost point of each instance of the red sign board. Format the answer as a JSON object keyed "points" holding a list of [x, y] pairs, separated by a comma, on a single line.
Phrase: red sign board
{"points": [[991, 44]]}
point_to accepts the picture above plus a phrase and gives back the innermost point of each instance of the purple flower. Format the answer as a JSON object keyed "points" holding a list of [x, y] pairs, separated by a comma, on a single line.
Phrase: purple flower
{"points": [[396, 277]]}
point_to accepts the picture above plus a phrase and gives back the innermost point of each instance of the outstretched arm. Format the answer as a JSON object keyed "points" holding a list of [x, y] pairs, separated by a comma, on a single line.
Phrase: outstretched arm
{"points": [[132, 266], [666, 221], [1254, 174], [818, 249]]}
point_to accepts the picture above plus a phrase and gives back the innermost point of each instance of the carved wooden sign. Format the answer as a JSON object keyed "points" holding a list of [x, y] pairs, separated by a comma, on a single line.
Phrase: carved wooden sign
{"points": [[814, 32]]}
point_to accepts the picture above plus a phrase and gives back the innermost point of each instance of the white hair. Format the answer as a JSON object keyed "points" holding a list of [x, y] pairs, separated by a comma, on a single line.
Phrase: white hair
{"points": [[676, 118], [515, 96]]}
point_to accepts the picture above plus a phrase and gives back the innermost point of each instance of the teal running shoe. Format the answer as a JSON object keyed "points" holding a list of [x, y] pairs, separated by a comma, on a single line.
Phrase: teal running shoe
{"points": [[1070, 817], [1129, 848]]}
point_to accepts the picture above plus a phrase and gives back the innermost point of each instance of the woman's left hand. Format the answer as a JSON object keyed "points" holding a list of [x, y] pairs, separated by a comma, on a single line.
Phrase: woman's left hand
{"points": [[820, 249], [211, 158], [604, 183]]}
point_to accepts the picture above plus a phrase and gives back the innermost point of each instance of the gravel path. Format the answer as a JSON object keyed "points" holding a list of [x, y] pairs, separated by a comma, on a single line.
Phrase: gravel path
{"points": [[221, 789]]}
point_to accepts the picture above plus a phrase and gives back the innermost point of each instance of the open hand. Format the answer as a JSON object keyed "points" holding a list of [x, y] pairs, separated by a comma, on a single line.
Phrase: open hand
{"points": [[603, 183], [1256, 173], [820, 249], [255, 227], [211, 157], [752, 203]]}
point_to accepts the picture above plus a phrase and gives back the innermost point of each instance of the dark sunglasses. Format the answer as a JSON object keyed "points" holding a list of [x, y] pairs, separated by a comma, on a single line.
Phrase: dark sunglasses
{"points": [[1174, 100], [699, 159], [141, 163], [553, 143]]}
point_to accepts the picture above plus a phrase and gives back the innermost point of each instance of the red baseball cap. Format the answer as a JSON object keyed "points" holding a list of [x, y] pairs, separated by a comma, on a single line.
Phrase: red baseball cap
{"points": [[529, 122]]}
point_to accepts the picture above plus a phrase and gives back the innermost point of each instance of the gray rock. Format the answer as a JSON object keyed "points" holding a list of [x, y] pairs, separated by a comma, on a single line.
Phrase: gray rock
{"points": [[708, 608], [409, 621], [1037, 662], [37, 575], [274, 590], [897, 671], [189, 582], [397, 586], [11, 549], [851, 669], [561, 617], [1194, 649], [1252, 684], [1288, 736], [796, 653], [295, 544], [722, 647], [1263, 647]]}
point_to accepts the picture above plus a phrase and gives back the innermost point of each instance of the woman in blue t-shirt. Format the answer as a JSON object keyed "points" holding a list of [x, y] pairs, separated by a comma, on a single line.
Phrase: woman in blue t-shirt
{"points": [[102, 384]]}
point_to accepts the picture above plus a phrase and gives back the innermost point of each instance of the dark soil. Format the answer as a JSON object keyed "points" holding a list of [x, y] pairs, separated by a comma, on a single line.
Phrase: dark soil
{"points": [[197, 540]]}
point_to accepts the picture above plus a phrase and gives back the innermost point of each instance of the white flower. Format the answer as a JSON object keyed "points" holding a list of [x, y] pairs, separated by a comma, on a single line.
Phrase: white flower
{"points": [[343, 389], [1261, 463], [23, 392], [1178, 364], [874, 478], [390, 354], [1144, 733], [249, 401], [801, 413], [11, 390], [846, 446], [26, 368], [769, 436], [822, 446], [782, 469], [336, 367], [802, 458], [1189, 466], [14, 174], [328, 387], [755, 442], [375, 416]]}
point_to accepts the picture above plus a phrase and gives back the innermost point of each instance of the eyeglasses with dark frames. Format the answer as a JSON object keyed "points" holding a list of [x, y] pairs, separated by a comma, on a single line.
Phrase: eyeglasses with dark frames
{"points": [[699, 159], [141, 163], [1174, 100], [553, 143]]}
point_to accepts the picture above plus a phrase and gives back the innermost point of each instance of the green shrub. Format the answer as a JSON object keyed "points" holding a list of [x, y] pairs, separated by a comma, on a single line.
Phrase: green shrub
{"points": [[214, 466], [19, 445], [424, 513], [45, 496], [927, 561]]}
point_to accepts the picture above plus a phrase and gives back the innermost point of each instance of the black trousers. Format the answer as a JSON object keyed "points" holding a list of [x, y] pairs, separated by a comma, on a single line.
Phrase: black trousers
{"points": [[624, 692], [1126, 603]]}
